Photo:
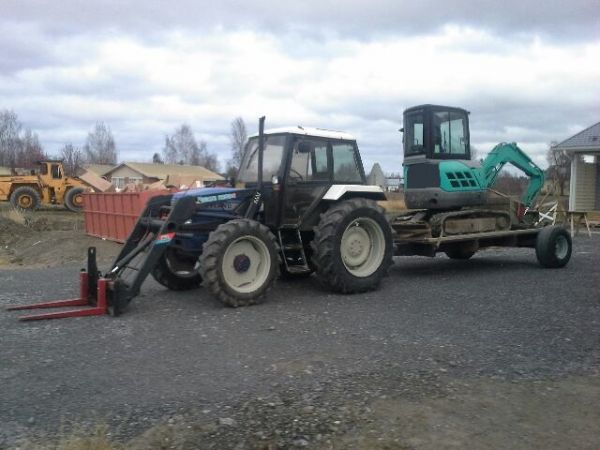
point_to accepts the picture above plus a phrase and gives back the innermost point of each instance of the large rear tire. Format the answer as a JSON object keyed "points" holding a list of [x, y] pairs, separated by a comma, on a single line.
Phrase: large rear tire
{"points": [[553, 247], [352, 247], [240, 262], [177, 272], [25, 197], [74, 199]]}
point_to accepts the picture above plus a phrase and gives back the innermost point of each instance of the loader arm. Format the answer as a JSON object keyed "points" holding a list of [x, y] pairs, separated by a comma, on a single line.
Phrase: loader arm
{"points": [[511, 153]]}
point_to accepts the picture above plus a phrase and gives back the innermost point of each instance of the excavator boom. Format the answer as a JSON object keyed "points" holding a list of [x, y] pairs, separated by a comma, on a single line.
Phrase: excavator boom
{"points": [[504, 153]]}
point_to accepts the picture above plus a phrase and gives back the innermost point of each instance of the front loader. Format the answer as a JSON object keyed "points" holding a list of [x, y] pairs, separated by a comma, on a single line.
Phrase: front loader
{"points": [[301, 205]]}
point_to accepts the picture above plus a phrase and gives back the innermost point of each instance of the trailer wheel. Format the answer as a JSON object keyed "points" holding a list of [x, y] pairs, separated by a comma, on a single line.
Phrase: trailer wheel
{"points": [[240, 262], [177, 272], [553, 247], [74, 199], [25, 197], [352, 247], [459, 252]]}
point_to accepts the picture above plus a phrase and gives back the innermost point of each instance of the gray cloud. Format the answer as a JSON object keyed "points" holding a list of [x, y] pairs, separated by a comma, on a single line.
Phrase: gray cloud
{"points": [[564, 20]]}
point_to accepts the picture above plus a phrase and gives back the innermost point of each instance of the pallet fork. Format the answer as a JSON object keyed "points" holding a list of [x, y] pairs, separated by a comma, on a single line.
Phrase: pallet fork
{"points": [[111, 293], [92, 293]]}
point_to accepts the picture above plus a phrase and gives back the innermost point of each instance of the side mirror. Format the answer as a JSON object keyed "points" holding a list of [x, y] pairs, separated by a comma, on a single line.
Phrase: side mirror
{"points": [[305, 147]]}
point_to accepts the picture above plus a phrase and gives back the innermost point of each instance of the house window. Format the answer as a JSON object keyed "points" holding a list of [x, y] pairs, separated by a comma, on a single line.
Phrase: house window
{"points": [[118, 182]]}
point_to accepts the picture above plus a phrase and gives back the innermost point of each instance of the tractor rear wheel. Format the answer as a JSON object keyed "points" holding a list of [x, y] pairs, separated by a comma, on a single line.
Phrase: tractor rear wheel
{"points": [[240, 262], [74, 199], [25, 197], [352, 247], [553, 247], [177, 271]]}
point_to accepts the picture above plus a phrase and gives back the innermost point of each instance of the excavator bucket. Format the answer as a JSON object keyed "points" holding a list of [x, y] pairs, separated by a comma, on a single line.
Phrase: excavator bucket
{"points": [[92, 296]]}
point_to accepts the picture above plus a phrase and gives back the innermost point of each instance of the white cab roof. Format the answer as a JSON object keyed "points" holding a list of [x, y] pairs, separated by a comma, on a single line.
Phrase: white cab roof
{"points": [[309, 131]]}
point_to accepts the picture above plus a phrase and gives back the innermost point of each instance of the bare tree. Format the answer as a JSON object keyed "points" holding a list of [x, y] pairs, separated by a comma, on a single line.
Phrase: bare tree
{"points": [[238, 138], [18, 147], [72, 159], [559, 167], [100, 146], [182, 148]]}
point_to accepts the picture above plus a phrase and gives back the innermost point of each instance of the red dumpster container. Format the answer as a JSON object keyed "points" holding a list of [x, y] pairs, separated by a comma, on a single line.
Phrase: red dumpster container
{"points": [[112, 215]]}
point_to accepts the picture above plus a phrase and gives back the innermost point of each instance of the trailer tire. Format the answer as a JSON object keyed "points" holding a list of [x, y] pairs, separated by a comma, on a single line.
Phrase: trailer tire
{"points": [[240, 262], [74, 199], [553, 247], [352, 247], [25, 197], [176, 272], [459, 252]]}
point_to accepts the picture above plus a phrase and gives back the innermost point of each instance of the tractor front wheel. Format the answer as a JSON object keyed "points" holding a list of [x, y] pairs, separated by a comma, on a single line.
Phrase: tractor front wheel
{"points": [[352, 247], [25, 197], [240, 262], [177, 271]]}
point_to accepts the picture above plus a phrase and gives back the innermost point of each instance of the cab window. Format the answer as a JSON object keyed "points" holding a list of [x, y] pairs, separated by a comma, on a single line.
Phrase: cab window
{"points": [[271, 159], [449, 133], [345, 163], [309, 161], [56, 171]]}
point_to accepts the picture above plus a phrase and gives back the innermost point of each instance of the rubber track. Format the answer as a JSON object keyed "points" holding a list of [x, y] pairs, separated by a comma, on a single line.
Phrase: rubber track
{"points": [[323, 247], [213, 248]]}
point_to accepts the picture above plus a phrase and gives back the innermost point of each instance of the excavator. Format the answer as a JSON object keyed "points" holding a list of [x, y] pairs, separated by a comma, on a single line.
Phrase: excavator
{"points": [[448, 193]]}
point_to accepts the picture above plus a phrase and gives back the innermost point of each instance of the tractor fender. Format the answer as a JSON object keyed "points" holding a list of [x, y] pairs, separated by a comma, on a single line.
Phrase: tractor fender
{"points": [[345, 191]]}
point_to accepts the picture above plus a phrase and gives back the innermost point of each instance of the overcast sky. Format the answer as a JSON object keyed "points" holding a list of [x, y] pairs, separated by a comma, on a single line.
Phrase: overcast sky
{"points": [[529, 71]]}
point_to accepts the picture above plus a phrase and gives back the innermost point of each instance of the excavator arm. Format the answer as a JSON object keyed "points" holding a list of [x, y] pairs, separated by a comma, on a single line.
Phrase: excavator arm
{"points": [[510, 153]]}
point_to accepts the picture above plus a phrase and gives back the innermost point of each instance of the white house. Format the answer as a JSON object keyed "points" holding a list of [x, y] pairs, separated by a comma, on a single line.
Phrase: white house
{"points": [[584, 150]]}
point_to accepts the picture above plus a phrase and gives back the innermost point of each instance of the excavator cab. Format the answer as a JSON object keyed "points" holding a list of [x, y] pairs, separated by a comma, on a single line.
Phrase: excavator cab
{"points": [[438, 172]]}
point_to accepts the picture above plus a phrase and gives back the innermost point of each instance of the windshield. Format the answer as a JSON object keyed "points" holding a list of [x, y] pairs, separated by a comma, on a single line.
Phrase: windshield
{"points": [[271, 159], [449, 133]]}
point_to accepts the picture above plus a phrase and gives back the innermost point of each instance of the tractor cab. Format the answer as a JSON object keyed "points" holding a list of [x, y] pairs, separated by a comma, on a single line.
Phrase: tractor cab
{"points": [[300, 165]]}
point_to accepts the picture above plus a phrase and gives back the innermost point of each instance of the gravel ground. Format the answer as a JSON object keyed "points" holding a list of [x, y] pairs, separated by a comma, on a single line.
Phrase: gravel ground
{"points": [[494, 352]]}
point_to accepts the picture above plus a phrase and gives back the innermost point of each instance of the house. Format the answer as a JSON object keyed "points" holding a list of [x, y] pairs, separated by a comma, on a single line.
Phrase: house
{"points": [[4, 170], [148, 173], [584, 151]]}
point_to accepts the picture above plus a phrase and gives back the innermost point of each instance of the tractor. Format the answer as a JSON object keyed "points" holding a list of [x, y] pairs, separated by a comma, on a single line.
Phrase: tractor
{"points": [[301, 205]]}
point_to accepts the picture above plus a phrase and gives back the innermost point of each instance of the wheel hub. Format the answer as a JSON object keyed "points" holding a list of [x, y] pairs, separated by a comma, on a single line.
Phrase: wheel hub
{"points": [[241, 263], [362, 247], [25, 201]]}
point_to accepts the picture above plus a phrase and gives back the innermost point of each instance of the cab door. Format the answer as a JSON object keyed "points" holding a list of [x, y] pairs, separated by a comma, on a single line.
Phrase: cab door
{"points": [[308, 177]]}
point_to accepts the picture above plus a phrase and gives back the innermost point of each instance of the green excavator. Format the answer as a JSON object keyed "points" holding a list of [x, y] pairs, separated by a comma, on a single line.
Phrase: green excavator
{"points": [[451, 189]]}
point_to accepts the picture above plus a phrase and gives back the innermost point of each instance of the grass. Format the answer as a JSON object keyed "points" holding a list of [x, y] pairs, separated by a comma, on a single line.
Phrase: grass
{"points": [[77, 439]]}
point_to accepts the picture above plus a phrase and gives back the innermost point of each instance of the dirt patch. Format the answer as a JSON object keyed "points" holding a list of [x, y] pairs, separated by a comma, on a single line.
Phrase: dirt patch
{"points": [[419, 412], [47, 238]]}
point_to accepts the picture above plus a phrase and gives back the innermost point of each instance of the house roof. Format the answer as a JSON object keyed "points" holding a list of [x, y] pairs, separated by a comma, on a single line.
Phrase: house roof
{"points": [[99, 169], [162, 171], [586, 139]]}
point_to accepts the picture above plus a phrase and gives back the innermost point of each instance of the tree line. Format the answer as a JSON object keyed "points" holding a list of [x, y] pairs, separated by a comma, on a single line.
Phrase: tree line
{"points": [[20, 147]]}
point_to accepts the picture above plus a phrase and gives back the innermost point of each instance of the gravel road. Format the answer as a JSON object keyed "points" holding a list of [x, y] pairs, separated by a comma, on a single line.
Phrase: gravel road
{"points": [[486, 353]]}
